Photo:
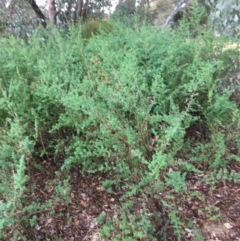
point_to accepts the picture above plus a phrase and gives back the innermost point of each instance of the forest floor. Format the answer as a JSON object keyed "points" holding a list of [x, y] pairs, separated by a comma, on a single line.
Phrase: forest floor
{"points": [[76, 219]]}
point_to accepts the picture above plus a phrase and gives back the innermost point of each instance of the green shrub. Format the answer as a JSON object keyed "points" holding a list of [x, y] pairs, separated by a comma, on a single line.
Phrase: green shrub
{"points": [[95, 26], [118, 103]]}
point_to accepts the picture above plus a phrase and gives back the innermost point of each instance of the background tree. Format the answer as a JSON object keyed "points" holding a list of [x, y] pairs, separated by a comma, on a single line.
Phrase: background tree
{"points": [[18, 17], [225, 16], [160, 10], [126, 9], [69, 11], [22, 17]]}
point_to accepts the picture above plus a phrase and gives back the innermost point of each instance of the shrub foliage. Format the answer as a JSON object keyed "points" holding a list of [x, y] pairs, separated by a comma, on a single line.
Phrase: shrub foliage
{"points": [[120, 103]]}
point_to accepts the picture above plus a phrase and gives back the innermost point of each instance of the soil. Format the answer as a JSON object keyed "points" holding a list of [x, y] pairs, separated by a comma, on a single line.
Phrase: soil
{"points": [[76, 219]]}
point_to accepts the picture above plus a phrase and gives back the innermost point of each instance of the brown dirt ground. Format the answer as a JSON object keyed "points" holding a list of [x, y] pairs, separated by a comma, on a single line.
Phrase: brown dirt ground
{"points": [[76, 220]]}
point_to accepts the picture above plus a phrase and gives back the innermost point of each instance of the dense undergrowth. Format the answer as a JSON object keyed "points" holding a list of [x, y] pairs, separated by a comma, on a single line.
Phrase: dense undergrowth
{"points": [[120, 103]]}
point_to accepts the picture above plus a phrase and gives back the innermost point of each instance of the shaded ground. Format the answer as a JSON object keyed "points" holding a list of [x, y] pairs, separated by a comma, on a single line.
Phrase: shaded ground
{"points": [[75, 219]]}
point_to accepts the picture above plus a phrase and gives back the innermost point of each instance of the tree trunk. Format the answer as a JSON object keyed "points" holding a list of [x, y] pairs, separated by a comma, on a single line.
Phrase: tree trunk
{"points": [[81, 9], [182, 7], [39, 13], [52, 12]]}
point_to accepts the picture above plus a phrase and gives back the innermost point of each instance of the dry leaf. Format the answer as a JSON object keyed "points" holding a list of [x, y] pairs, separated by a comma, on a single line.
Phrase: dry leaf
{"points": [[228, 225]]}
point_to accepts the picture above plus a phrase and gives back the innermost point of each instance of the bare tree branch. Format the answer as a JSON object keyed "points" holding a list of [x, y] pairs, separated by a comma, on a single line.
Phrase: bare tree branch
{"points": [[38, 12], [182, 7]]}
